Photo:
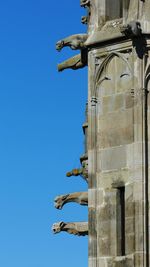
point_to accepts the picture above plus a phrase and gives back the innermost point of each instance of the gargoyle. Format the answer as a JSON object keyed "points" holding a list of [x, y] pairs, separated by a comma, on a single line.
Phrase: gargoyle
{"points": [[84, 3], [78, 172], [132, 29], [81, 198], [77, 228], [83, 172], [74, 41], [77, 62]]}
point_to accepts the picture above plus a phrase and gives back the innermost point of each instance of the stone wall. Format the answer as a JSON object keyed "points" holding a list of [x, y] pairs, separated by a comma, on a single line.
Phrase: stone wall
{"points": [[117, 156]]}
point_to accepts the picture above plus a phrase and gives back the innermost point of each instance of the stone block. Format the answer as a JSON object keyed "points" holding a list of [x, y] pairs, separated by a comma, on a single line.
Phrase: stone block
{"points": [[107, 212], [112, 103], [123, 261], [130, 209], [139, 259], [115, 120], [103, 229], [115, 136], [135, 154], [104, 262], [113, 158], [129, 101], [113, 177], [104, 246], [130, 243], [129, 225]]}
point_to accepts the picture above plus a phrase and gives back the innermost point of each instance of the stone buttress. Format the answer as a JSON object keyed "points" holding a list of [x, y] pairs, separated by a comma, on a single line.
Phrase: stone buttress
{"points": [[118, 132], [115, 164]]}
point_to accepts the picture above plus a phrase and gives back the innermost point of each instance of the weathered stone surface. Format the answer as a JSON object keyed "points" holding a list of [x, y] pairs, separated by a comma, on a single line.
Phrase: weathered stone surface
{"points": [[113, 158], [77, 228], [75, 42], [77, 62], [79, 197]]}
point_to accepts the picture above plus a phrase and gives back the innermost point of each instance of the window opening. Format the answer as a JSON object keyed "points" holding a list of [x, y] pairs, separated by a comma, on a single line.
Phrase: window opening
{"points": [[121, 221], [114, 9]]}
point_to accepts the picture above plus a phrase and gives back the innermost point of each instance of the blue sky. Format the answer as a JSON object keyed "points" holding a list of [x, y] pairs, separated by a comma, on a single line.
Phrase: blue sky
{"points": [[41, 116]]}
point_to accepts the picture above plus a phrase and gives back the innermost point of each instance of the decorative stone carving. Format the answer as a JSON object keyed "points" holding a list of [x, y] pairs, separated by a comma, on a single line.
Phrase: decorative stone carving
{"points": [[84, 19], [74, 172], [75, 228], [85, 3], [74, 41], [132, 29], [81, 198], [83, 172], [77, 62]]}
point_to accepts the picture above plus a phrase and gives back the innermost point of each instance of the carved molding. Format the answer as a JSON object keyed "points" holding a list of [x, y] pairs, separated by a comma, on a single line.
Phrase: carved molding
{"points": [[147, 74], [75, 228], [79, 197]]}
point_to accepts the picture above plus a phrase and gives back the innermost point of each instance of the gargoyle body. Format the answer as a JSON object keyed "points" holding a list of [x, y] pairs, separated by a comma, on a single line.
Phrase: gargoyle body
{"points": [[74, 41], [132, 29], [81, 198], [75, 228], [77, 62]]}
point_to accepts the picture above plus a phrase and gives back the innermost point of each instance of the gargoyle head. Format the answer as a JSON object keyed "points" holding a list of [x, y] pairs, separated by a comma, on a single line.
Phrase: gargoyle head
{"points": [[132, 29], [59, 45], [84, 3], [60, 201], [57, 227]]}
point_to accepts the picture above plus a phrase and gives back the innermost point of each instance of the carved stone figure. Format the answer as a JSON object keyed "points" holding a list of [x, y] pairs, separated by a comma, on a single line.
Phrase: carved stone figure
{"points": [[74, 41], [132, 29], [84, 19], [75, 172], [75, 228], [76, 62], [84, 3], [83, 172], [81, 198], [78, 172]]}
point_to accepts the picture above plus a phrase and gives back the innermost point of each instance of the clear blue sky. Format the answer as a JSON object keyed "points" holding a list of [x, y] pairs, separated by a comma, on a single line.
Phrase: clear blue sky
{"points": [[41, 116]]}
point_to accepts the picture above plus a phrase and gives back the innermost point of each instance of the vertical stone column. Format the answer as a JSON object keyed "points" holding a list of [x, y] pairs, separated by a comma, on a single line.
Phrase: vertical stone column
{"points": [[92, 191]]}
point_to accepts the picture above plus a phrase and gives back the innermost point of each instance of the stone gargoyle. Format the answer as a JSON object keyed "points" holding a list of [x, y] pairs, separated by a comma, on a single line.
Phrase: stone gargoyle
{"points": [[74, 41], [75, 228], [78, 172], [77, 62], [132, 29], [83, 171], [85, 3], [80, 198]]}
